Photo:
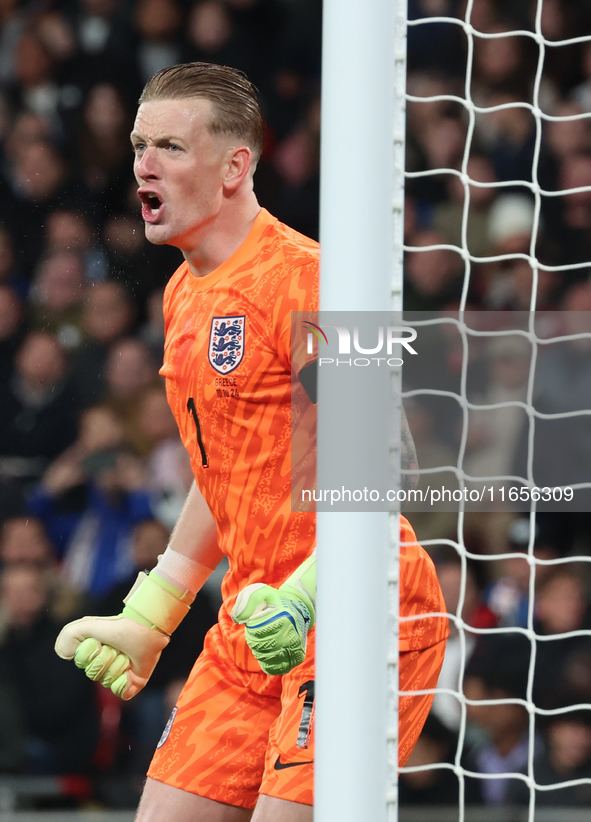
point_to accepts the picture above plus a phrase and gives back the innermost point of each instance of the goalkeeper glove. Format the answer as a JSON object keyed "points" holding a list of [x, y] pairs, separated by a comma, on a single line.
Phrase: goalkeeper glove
{"points": [[121, 652], [277, 620]]}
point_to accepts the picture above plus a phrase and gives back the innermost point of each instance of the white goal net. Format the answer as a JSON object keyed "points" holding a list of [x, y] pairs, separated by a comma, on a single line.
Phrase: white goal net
{"points": [[498, 255]]}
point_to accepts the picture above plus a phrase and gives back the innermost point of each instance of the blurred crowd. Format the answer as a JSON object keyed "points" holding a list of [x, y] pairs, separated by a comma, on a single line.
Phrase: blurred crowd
{"points": [[503, 148], [92, 472], [554, 673], [498, 586]]}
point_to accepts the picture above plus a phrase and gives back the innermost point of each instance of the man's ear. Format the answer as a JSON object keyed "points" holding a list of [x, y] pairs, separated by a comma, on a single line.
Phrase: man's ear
{"points": [[238, 167]]}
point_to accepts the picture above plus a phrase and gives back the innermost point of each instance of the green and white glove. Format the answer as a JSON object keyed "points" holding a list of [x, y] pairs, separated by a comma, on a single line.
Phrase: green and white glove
{"points": [[277, 620], [121, 651]]}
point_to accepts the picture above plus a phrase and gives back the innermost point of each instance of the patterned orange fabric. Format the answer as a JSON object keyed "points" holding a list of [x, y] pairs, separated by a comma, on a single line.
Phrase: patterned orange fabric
{"points": [[228, 366], [232, 404], [419, 594], [235, 734], [417, 671]]}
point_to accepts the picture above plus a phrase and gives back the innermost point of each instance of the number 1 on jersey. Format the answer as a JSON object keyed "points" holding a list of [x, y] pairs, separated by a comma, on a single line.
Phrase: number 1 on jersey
{"points": [[191, 408]]}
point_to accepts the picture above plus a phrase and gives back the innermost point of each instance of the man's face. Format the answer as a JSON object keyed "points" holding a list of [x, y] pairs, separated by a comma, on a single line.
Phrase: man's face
{"points": [[179, 166]]}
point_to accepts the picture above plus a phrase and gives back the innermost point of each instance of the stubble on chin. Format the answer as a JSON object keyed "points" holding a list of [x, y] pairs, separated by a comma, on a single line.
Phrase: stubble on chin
{"points": [[154, 236]]}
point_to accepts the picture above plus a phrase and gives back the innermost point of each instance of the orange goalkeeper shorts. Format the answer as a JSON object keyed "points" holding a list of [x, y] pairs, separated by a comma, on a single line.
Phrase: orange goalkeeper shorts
{"points": [[235, 734]]}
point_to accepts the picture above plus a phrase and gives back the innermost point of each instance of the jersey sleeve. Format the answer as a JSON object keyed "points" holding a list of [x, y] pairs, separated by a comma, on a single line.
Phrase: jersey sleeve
{"points": [[420, 595], [297, 292]]}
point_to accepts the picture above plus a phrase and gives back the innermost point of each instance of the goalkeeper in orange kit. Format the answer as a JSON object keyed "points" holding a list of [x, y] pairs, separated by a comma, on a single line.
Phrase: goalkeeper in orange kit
{"points": [[239, 744]]}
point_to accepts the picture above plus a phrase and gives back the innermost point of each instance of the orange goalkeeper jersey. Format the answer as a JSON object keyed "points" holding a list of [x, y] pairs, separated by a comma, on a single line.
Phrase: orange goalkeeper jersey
{"points": [[227, 365]]}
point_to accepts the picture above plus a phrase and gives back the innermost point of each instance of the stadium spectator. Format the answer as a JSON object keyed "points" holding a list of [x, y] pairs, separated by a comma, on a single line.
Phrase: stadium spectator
{"points": [[508, 133], [102, 142], [11, 329], [572, 233], [56, 35], [89, 501], [297, 162], [37, 409], [67, 231], [12, 731], [168, 465], [129, 372], [9, 274], [567, 137], [35, 85], [508, 596], [447, 216], [152, 331], [99, 430], [493, 435], [581, 93], [212, 36], [508, 283], [294, 63], [104, 45], [24, 543], [124, 245], [56, 297], [435, 48], [440, 142], [497, 670], [503, 64], [107, 316], [561, 20], [561, 606], [433, 786], [433, 277], [566, 756], [58, 710], [41, 181], [70, 230], [157, 23], [476, 614], [26, 128], [562, 446]]}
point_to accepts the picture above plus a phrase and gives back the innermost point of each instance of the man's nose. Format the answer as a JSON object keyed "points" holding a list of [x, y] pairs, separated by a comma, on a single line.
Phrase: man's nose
{"points": [[146, 164]]}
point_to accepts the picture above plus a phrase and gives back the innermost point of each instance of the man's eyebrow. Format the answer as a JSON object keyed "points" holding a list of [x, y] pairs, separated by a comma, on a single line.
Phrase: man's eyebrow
{"points": [[159, 140]]}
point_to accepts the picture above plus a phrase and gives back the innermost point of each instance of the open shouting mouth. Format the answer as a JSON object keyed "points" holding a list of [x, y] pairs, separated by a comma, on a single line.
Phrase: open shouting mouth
{"points": [[151, 206]]}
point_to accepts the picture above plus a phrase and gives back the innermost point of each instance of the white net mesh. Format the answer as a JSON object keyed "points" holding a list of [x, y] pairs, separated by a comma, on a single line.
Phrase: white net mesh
{"points": [[499, 218]]}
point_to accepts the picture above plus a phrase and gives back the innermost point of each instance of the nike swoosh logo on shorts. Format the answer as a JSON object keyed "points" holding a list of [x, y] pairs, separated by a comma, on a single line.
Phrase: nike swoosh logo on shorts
{"points": [[279, 765]]}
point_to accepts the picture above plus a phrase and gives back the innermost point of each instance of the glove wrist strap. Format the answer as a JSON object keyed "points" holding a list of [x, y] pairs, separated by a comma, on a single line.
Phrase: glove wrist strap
{"points": [[303, 583], [156, 603]]}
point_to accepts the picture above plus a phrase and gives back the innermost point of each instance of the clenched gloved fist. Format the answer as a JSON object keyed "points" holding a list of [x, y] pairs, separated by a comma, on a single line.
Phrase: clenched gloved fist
{"points": [[121, 651], [277, 620]]}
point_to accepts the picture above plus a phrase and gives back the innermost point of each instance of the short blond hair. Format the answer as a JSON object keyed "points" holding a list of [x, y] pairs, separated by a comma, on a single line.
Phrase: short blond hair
{"points": [[236, 110]]}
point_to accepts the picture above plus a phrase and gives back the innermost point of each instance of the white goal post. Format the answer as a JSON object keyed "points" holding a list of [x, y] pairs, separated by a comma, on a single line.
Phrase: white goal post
{"points": [[541, 118], [361, 231], [361, 218]]}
